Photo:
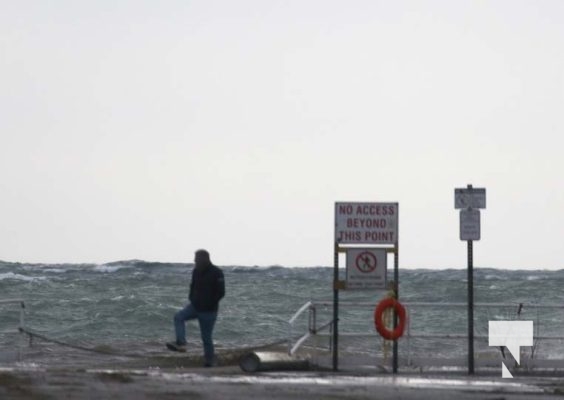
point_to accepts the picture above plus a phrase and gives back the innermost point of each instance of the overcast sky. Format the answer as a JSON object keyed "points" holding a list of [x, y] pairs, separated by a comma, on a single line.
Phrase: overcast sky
{"points": [[145, 129]]}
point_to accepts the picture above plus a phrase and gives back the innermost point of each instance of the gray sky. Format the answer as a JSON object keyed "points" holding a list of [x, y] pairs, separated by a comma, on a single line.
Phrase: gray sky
{"points": [[144, 129]]}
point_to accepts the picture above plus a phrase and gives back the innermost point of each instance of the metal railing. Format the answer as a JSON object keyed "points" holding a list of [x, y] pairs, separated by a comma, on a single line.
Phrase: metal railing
{"points": [[306, 307], [315, 331]]}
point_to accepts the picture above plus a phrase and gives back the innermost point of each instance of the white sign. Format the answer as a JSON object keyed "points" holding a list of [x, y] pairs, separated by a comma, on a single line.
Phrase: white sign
{"points": [[370, 223], [470, 198], [469, 224], [513, 335], [366, 268]]}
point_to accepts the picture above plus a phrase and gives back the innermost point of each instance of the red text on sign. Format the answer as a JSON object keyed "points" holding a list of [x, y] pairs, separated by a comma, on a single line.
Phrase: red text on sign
{"points": [[366, 223]]}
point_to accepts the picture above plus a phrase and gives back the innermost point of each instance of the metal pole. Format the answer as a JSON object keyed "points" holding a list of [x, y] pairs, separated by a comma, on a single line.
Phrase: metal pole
{"points": [[396, 289], [470, 309], [396, 282], [336, 309]]}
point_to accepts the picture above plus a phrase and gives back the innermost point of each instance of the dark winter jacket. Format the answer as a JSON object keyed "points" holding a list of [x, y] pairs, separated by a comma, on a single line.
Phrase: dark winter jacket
{"points": [[207, 288]]}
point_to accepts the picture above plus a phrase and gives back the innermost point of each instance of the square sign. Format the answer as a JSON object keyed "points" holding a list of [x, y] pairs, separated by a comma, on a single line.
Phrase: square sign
{"points": [[470, 198], [470, 224], [366, 223], [366, 268]]}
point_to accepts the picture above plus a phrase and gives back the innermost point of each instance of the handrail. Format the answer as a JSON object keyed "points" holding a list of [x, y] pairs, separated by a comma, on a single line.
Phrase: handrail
{"points": [[322, 327], [300, 311], [314, 331], [292, 349], [299, 343], [516, 304], [428, 304]]}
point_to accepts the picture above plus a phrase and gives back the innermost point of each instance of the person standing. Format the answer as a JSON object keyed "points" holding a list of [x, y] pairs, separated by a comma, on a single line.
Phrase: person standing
{"points": [[207, 288]]}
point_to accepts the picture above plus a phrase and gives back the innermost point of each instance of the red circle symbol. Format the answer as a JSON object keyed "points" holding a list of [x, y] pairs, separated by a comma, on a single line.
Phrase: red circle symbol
{"points": [[366, 262]]}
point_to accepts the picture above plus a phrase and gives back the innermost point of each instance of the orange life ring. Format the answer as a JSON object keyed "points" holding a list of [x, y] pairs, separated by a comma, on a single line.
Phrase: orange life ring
{"points": [[379, 321]]}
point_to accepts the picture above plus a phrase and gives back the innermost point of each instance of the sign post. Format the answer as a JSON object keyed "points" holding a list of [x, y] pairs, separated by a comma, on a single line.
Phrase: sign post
{"points": [[373, 224], [469, 200], [336, 309]]}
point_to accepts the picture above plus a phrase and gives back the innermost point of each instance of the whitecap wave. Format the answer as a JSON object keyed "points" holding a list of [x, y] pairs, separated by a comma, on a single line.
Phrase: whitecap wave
{"points": [[493, 277], [18, 277], [55, 270], [109, 268]]}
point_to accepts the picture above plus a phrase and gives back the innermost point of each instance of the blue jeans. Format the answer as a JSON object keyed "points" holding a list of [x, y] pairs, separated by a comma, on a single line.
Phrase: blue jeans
{"points": [[206, 321]]}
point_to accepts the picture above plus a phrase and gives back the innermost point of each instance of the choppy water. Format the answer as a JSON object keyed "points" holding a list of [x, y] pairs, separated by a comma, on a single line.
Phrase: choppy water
{"points": [[129, 306]]}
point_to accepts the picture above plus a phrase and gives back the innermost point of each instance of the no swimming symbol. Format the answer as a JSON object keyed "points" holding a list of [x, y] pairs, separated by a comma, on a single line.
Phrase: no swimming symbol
{"points": [[366, 262]]}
